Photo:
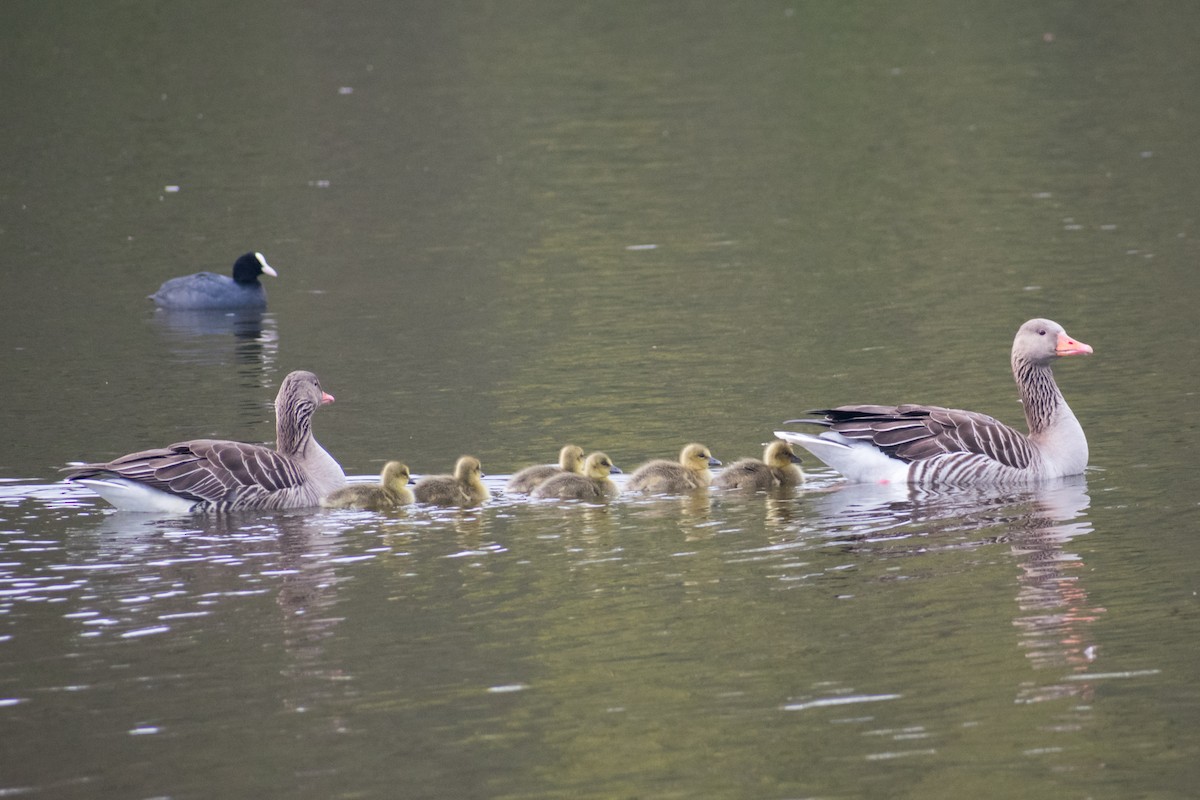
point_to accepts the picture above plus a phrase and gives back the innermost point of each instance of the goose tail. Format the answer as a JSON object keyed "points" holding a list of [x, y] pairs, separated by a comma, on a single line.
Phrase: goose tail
{"points": [[857, 461]]}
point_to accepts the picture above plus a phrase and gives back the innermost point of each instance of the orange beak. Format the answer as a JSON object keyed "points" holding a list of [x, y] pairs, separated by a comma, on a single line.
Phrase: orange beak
{"points": [[1069, 347]]}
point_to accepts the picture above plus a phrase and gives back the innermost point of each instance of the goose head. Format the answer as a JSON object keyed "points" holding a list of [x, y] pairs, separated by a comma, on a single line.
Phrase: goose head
{"points": [[1039, 341], [299, 396]]}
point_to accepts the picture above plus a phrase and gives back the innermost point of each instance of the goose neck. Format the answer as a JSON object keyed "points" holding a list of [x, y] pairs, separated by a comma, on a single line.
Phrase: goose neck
{"points": [[1040, 395]]}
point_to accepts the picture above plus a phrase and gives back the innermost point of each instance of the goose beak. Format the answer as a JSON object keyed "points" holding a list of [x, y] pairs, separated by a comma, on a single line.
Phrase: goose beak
{"points": [[326, 398], [1069, 347]]}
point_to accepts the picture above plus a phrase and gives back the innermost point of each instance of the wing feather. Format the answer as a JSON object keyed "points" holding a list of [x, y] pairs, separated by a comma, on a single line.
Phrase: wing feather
{"points": [[203, 470], [914, 432]]}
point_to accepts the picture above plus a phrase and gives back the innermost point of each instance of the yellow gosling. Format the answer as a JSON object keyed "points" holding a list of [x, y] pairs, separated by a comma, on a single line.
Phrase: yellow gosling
{"points": [[463, 488], [391, 492], [669, 477], [593, 484], [778, 468], [570, 459]]}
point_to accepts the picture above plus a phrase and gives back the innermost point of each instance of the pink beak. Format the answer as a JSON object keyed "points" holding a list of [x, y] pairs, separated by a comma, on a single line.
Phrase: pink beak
{"points": [[1069, 347], [327, 398]]}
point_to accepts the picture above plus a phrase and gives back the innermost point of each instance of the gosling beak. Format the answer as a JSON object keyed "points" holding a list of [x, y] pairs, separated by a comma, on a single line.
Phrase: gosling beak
{"points": [[795, 459], [1069, 347], [712, 462], [615, 470]]}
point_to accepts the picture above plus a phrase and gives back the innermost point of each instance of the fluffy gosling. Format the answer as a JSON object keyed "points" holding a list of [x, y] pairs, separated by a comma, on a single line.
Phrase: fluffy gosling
{"points": [[464, 488], [670, 477]]}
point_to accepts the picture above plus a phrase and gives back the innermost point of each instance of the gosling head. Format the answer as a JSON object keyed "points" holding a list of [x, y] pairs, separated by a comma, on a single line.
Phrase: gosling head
{"points": [[599, 466], [697, 458], [570, 458], [394, 476], [468, 468], [779, 454]]}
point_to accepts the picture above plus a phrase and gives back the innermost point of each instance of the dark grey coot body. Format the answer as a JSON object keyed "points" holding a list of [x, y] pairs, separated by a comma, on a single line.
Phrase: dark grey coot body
{"points": [[206, 290]]}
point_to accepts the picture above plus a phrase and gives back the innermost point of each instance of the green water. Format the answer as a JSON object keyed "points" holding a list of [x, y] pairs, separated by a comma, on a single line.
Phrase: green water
{"points": [[502, 227]]}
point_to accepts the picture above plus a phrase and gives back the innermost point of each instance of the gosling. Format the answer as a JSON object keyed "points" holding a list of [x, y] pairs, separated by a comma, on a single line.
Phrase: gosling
{"points": [[570, 459], [463, 488], [668, 477], [390, 493], [593, 484], [778, 468]]}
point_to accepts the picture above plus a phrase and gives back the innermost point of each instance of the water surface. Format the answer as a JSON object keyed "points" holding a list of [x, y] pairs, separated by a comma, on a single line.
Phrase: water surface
{"points": [[499, 228]]}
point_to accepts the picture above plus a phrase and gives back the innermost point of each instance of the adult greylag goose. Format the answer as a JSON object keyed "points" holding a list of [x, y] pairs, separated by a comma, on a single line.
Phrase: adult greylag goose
{"points": [[687, 474], [593, 484], [218, 475], [464, 488], [206, 290], [570, 459], [391, 492], [931, 445], [778, 468]]}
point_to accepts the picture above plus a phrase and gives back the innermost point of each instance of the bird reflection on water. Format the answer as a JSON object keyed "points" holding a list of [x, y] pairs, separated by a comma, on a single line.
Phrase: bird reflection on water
{"points": [[1038, 523], [247, 339]]}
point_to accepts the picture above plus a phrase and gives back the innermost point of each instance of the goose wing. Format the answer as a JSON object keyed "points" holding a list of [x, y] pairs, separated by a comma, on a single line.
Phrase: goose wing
{"points": [[203, 470], [914, 433]]}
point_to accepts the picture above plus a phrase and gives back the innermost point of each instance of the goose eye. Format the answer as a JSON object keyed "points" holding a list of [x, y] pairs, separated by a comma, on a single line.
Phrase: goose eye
{"points": [[1042, 332]]}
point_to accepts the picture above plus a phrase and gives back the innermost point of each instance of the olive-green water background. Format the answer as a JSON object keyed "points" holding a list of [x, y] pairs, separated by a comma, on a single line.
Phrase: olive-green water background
{"points": [[499, 227]]}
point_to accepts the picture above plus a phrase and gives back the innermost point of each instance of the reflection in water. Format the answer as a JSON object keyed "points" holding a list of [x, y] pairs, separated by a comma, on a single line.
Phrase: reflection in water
{"points": [[1038, 522], [161, 575], [306, 595], [690, 511], [1052, 596], [863, 511], [247, 338]]}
